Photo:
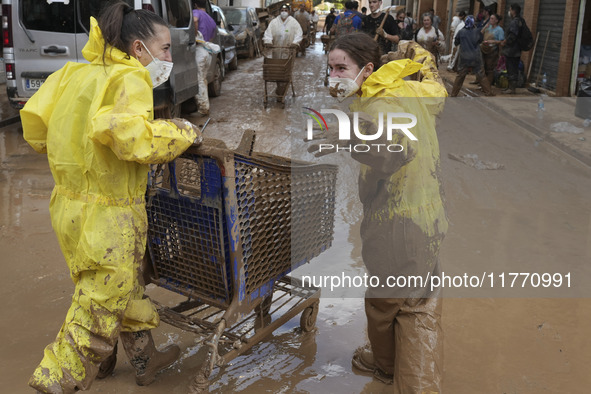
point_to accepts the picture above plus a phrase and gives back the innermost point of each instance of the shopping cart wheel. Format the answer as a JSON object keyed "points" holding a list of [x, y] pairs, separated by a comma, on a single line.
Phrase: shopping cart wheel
{"points": [[308, 318]]}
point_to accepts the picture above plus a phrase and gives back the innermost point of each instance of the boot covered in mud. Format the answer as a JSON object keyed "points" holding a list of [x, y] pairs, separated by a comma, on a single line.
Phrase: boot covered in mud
{"points": [[145, 358]]}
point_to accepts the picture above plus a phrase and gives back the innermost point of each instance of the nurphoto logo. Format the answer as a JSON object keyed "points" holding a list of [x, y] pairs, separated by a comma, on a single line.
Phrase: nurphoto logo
{"points": [[390, 119]]}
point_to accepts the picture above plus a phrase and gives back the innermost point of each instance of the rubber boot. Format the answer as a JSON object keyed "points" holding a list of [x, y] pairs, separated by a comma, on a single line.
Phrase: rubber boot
{"points": [[106, 368], [145, 358], [511, 88]]}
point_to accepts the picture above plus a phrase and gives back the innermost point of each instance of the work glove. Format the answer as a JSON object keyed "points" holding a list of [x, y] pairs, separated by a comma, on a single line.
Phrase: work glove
{"points": [[184, 124]]}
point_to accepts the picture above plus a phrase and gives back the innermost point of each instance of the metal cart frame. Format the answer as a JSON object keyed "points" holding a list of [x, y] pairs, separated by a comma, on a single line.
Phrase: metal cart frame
{"points": [[278, 70], [228, 246]]}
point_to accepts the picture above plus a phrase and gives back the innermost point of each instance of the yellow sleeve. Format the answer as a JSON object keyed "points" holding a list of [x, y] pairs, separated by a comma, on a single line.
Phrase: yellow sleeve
{"points": [[124, 123], [37, 111]]}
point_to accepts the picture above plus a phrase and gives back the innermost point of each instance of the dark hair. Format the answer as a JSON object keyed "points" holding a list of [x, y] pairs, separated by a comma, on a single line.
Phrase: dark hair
{"points": [[360, 47], [462, 13], [199, 3], [355, 4], [499, 18], [121, 25], [400, 12], [517, 8]]}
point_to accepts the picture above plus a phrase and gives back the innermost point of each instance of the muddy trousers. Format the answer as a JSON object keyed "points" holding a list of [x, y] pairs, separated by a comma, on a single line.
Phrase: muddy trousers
{"points": [[480, 78], [108, 296], [203, 58], [490, 64], [407, 341]]}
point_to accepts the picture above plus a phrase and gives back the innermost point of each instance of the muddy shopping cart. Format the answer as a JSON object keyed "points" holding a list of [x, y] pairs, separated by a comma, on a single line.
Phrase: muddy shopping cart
{"points": [[276, 69], [225, 229]]}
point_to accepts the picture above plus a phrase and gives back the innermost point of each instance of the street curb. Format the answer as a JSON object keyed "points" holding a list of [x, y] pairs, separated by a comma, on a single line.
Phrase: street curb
{"points": [[9, 121], [534, 130]]}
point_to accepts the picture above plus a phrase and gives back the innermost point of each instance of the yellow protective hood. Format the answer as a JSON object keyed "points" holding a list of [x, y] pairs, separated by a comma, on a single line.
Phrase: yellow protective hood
{"points": [[94, 48], [418, 63]]}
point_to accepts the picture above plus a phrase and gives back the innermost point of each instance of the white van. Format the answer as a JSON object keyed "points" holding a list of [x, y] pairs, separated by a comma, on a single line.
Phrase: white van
{"points": [[40, 36]]}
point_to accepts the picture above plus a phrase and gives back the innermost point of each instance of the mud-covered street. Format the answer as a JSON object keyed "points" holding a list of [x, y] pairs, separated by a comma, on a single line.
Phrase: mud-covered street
{"points": [[530, 214]]}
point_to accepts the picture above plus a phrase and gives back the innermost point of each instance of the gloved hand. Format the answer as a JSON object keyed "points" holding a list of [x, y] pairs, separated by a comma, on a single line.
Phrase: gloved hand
{"points": [[381, 32], [184, 124], [295, 46]]}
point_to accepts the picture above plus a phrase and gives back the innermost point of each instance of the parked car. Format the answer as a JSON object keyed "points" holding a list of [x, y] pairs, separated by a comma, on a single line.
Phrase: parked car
{"points": [[224, 38], [42, 36], [246, 28]]}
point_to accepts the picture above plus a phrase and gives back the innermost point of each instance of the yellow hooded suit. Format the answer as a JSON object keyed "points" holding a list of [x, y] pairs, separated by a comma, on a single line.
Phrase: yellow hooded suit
{"points": [[95, 122]]}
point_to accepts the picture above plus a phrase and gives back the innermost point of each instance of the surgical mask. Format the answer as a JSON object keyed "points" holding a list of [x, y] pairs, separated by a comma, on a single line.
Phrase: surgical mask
{"points": [[284, 14], [341, 88], [159, 69]]}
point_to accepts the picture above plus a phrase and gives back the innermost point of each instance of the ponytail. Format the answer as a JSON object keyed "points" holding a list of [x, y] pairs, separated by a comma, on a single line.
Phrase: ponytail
{"points": [[121, 25]]}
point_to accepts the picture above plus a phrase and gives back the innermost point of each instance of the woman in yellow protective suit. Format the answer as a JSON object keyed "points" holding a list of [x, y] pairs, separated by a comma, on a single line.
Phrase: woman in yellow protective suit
{"points": [[95, 122], [404, 219]]}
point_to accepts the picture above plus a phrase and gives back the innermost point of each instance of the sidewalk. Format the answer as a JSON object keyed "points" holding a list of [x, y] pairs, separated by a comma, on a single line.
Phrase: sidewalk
{"points": [[522, 109]]}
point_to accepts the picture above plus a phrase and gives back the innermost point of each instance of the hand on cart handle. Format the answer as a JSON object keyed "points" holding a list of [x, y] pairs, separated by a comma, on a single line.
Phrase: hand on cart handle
{"points": [[184, 124]]}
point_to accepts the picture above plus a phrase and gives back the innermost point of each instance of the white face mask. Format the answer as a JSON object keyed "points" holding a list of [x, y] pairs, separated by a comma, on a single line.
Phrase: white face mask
{"points": [[341, 88], [284, 15], [159, 69]]}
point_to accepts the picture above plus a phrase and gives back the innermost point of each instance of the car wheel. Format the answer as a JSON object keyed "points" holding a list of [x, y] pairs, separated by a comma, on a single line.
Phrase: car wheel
{"points": [[168, 112], [234, 63], [215, 86]]}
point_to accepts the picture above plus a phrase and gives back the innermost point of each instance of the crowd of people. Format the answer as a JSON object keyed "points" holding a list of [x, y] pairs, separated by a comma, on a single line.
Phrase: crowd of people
{"points": [[478, 44]]}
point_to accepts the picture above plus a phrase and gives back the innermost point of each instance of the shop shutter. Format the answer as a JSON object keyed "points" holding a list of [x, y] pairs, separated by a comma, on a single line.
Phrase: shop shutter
{"points": [[550, 19]]}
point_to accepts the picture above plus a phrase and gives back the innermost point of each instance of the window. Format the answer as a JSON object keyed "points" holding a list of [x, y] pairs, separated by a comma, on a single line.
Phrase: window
{"points": [[179, 13], [90, 8]]}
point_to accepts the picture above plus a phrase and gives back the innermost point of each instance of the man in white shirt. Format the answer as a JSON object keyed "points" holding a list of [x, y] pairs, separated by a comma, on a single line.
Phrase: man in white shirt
{"points": [[283, 31]]}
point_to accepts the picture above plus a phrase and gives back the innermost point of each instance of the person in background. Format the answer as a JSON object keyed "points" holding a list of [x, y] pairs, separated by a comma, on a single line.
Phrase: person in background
{"points": [[452, 58], [406, 31], [511, 48], [404, 219], [363, 11], [493, 35], [303, 18], [388, 34], [329, 21], [430, 38], [314, 18], [205, 30], [470, 59], [410, 21], [283, 31], [95, 121], [436, 20], [346, 22]]}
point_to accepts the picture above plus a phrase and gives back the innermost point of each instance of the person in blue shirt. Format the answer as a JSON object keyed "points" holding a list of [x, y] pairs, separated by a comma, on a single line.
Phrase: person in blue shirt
{"points": [[348, 22], [493, 35]]}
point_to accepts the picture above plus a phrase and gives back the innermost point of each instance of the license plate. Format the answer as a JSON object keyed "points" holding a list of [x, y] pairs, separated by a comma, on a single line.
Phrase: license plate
{"points": [[33, 84]]}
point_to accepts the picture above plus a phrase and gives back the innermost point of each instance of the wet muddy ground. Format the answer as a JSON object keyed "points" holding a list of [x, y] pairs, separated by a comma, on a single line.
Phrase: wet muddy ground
{"points": [[531, 216]]}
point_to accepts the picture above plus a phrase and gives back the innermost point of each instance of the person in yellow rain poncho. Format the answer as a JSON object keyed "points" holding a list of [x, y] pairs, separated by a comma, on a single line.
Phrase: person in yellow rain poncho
{"points": [[404, 219], [95, 122]]}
